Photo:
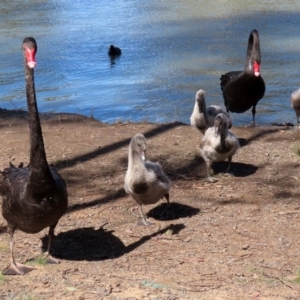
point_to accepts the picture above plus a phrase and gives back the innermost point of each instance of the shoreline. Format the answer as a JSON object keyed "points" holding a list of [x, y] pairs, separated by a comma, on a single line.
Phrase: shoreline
{"points": [[10, 114]]}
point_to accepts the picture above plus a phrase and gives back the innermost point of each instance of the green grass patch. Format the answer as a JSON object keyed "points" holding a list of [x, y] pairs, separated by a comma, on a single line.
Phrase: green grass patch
{"points": [[297, 150], [297, 279], [39, 260]]}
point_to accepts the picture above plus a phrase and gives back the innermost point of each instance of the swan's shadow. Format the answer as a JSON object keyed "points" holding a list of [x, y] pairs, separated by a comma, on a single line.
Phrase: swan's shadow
{"points": [[85, 244], [175, 211], [96, 244], [238, 169]]}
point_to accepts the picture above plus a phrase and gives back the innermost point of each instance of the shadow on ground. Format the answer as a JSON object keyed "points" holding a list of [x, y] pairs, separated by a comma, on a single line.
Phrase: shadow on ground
{"points": [[92, 244], [238, 169], [174, 212]]}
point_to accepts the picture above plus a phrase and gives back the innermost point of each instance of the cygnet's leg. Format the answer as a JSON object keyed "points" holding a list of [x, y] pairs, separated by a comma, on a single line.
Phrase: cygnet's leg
{"points": [[15, 268], [227, 171], [145, 221], [210, 172], [167, 211], [48, 258]]}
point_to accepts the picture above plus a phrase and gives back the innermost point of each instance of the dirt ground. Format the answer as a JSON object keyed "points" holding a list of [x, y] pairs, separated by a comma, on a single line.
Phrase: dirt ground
{"points": [[237, 238]]}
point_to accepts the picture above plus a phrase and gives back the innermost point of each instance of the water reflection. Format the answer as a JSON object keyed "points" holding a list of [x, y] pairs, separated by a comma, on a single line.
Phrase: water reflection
{"points": [[169, 51]]}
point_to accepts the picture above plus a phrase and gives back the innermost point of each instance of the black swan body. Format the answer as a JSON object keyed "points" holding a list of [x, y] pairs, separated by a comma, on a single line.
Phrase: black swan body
{"points": [[33, 197], [243, 89], [114, 51]]}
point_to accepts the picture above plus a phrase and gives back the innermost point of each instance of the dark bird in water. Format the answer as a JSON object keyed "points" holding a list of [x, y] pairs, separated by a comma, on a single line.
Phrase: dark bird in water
{"points": [[243, 89], [295, 103], [114, 51], [33, 197]]}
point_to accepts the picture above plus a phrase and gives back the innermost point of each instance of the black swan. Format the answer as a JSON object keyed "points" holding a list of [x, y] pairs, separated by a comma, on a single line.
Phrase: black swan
{"points": [[33, 197], [295, 103], [243, 89], [218, 144], [145, 181], [203, 117], [114, 51]]}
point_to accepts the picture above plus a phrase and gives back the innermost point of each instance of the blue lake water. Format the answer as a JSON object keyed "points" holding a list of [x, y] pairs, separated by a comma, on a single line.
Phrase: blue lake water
{"points": [[170, 49]]}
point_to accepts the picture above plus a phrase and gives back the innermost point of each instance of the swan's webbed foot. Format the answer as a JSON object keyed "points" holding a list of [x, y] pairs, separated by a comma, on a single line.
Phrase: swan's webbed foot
{"points": [[17, 269], [253, 125]]}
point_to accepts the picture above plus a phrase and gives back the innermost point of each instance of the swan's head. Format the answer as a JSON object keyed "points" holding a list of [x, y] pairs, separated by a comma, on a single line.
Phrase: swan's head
{"points": [[296, 95], [200, 98], [138, 144], [29, 47], [220, 124]]}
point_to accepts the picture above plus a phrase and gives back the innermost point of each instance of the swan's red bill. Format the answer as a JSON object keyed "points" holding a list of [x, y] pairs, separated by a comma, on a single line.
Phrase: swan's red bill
{"points": [[256, 67], [30, 57]]}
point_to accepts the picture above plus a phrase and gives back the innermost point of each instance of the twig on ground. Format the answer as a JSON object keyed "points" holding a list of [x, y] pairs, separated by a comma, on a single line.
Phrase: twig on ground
{"points": [[243, 256], [279, 279]]}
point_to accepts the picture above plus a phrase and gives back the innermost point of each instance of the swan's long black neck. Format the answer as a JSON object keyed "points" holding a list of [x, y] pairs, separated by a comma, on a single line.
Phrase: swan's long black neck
{"points": [[39, 169], [253, 51]]}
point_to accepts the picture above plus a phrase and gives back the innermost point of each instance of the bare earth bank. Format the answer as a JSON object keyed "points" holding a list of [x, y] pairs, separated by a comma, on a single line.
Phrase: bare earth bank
{"points": [[235, 239]]}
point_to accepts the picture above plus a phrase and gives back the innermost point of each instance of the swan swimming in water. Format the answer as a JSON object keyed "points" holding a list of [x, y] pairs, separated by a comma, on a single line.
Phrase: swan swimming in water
{"points": [[114, 51]]}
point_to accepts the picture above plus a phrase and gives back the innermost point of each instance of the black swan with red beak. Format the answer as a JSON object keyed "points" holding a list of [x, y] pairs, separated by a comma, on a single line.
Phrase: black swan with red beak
{"points": [[33, 197], [243, 89]]}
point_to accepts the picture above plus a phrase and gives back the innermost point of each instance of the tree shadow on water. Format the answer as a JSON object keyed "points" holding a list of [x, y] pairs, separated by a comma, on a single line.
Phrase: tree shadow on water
{"points": [[92, 244]]}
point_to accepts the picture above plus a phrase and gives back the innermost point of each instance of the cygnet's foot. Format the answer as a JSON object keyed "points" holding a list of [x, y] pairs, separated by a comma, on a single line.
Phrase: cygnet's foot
{"points": [[212, 179], [49, 259], [229, 174], [17, 269], [144, 222]]}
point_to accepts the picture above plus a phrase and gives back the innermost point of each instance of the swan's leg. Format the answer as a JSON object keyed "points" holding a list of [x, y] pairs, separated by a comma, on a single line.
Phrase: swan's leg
{"points": [[48, 258], [145, 221], [15, 268], [210, 172], [253, 117]]}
